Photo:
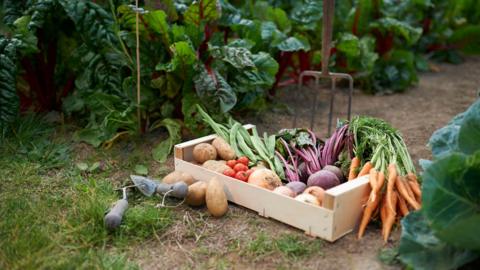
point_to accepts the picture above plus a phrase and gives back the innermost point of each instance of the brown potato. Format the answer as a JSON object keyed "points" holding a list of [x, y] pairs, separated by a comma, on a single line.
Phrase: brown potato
{"points": [[177, 176], [216, 198], [216, 165], [196, 194], [203, 152], [224, 150]]}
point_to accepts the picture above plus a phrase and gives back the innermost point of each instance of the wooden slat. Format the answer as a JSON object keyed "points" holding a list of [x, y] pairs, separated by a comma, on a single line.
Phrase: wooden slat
{"points": [[314, 220], [349, 199]]}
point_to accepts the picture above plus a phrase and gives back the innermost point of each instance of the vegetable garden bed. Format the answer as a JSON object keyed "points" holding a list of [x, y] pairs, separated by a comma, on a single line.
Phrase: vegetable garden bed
{"points": [[339, 214]]}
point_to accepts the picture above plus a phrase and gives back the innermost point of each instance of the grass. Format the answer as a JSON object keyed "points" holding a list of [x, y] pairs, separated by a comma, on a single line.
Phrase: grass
{"points": [[52, 212], [289, 245]]}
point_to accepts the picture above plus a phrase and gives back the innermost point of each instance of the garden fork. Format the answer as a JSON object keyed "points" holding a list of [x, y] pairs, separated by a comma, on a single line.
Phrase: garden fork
{"points": [[328, 14]]}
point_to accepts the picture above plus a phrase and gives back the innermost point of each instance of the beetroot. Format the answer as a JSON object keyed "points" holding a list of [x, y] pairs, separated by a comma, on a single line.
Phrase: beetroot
{"points": [[297, 186], [336, 171], [324, 179]]}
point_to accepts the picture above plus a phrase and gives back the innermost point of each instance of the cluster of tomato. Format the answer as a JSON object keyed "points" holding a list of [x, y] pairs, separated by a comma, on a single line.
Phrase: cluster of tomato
{"points": [[238, 169]]}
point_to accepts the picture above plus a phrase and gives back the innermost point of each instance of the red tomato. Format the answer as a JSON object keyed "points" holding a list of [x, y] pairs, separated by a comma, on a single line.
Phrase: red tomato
{"points": [[239, 167], [229, 172], [231, 163], [242, 176], [243, 160]]}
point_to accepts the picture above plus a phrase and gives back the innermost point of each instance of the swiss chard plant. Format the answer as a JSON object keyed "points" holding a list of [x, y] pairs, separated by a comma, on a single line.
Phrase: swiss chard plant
{"points": [[443, 235]]}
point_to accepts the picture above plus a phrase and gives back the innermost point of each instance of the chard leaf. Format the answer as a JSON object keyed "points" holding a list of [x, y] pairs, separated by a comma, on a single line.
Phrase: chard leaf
{"points": [[307, 13], [421, 249], [236, 56], [202, 11], [409, 33], [157, 21], [266, 66], [214, 88], [349, 45], [293, 44], [451, 199], [280, 18]]}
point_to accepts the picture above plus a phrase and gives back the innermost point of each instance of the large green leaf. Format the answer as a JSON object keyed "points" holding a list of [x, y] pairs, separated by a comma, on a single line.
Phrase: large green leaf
{"points": [[460, 134], [280, 18], [91, 20], [421, 249], [469, 134], [202, 11], [451, 199], [183, 58], [214, 89], [157, 20], [9, 102], [349, 45], [293, 44], [444, 140], [409, 33], [236, 56], [163, 149], [26, 35], [266, 66], [307, 13]]}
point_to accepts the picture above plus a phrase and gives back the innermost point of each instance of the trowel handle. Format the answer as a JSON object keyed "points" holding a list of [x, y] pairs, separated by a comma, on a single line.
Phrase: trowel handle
{"points": [[114, 217], [178, 190]]}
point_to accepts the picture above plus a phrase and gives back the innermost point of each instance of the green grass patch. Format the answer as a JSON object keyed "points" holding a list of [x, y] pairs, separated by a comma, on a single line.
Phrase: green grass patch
{"points": [[52, 212], [289, 245]]}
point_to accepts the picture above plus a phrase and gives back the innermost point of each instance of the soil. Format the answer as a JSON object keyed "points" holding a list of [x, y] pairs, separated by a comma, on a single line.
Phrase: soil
{"points": [[199, 241]]}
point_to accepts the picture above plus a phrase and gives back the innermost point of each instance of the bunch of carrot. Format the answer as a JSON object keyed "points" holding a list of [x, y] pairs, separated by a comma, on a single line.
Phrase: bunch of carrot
{"points": [[390, 199]]}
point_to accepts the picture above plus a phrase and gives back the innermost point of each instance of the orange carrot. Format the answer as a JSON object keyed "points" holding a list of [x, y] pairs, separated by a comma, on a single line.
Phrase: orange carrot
{"points": [[415, 189], [367, 214], [402, 189], [402, 206], [380, 180], [392, 177], [383, 213], [366, 169], [352, 174], [408, 188], [391, 215], [414, 185], [373, 183]]}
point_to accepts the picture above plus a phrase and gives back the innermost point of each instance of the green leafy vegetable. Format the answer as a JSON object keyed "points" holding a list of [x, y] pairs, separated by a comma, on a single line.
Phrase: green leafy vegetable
{"points": [[421, 249], [445, 232]]}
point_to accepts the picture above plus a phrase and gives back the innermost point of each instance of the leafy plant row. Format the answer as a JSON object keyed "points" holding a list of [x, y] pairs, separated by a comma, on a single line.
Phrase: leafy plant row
{"points": [[77, 56]]}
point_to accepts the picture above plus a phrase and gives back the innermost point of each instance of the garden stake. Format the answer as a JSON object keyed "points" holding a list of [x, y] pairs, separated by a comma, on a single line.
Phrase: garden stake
{"points": [[328, 14]]}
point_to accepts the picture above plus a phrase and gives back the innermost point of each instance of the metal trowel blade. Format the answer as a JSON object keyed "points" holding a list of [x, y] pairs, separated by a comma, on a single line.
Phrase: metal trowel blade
{"points": [[144, 184]]}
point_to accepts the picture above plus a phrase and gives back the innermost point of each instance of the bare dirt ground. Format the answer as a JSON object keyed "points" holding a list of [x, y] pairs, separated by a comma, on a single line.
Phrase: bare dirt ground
{"points": [[201, 242]]}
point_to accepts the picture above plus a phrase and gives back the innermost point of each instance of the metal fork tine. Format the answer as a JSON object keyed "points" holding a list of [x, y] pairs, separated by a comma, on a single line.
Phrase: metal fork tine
{"points": [[330, 114]]}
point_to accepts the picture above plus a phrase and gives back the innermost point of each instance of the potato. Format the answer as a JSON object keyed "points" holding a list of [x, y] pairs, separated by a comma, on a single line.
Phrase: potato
{"points": [[216, 198], [224, 150], [203, 152], [177, 176], [196, 194], [216, 166]]}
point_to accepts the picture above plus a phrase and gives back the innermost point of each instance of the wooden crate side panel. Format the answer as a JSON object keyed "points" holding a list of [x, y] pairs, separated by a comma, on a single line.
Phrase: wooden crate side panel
{"points": [[348, 202], [314, 220]]}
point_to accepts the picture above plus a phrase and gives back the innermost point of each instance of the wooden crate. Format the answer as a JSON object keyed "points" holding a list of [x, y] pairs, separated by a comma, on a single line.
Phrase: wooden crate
{"points": [[339, 214]]}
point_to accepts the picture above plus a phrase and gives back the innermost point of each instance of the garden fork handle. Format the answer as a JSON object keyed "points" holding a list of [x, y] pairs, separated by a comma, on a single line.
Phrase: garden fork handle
{"points": [[327, 29]]}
